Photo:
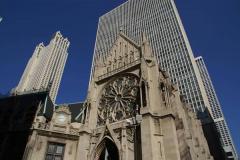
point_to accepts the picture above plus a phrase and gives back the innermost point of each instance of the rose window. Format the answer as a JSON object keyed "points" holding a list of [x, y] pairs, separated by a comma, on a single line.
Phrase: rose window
{"points": [[118, 99]]}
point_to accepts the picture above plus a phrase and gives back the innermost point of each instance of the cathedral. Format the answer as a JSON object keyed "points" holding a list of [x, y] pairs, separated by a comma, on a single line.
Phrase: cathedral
{"points": [[132, 112]]}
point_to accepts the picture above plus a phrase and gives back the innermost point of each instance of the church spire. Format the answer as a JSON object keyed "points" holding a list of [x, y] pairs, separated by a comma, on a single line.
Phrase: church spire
{"points": [[146, 48]]}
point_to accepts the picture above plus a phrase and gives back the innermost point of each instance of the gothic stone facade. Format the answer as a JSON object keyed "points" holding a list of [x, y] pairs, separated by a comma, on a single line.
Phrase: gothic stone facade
{"points": [[132, 110]]}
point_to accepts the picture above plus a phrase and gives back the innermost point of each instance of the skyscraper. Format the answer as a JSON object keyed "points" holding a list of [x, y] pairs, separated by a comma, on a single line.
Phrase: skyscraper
{"points": [[160, 20], [216, 109], [45, 67]]}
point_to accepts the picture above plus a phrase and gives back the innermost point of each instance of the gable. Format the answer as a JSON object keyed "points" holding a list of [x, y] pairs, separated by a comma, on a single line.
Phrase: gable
{"points": [[123, 52]]}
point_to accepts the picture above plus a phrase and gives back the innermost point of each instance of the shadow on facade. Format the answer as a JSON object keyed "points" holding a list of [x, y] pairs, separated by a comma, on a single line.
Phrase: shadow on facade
{"points": [[16, 117], [212, 136]]}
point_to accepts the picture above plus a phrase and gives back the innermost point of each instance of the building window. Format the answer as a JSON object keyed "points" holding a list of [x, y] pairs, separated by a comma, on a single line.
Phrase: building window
{"points": [[55, 151], [144, 100]]}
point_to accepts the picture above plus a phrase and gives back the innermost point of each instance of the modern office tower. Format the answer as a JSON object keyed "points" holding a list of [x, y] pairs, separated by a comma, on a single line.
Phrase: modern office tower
{"points": [[45, 67], [160, 21], [216, 110]]}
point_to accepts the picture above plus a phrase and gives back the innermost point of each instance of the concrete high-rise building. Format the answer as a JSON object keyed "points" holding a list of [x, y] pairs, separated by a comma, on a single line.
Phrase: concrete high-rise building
{"points": [[45, 67], [160, 20], [216, 110]]}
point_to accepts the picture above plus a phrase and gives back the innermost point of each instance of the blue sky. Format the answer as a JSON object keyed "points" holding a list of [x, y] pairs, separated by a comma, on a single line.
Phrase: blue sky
{"points": [[212, 28]]}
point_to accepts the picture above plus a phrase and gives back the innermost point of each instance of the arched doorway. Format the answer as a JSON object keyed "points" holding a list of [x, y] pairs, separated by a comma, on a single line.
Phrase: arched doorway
{"points": [[109, 150]]}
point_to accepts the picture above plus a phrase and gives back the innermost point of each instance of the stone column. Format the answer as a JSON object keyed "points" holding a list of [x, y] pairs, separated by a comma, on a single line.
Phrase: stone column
{"points": [[170, 141], [83, 146], [146, 136]]}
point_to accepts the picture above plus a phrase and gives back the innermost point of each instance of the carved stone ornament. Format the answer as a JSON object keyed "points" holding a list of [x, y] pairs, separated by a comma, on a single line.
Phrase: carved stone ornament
{"points": [[63, 109], [62, 115], [118, 100]]}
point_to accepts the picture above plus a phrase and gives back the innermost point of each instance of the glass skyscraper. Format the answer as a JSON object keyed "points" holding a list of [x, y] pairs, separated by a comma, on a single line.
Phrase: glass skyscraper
{"points": [[215, 106]]}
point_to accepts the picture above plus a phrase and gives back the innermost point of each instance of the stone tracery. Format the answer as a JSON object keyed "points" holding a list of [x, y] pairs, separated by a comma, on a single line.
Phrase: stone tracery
{"points": [[118, 99]]}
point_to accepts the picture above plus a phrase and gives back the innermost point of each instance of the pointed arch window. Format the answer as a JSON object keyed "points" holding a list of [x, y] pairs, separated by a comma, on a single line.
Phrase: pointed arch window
{"points": [[119, 64], [143, 93], [126, 59], [120, 47], [126, 49], [131, 56], [107, 150]]}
